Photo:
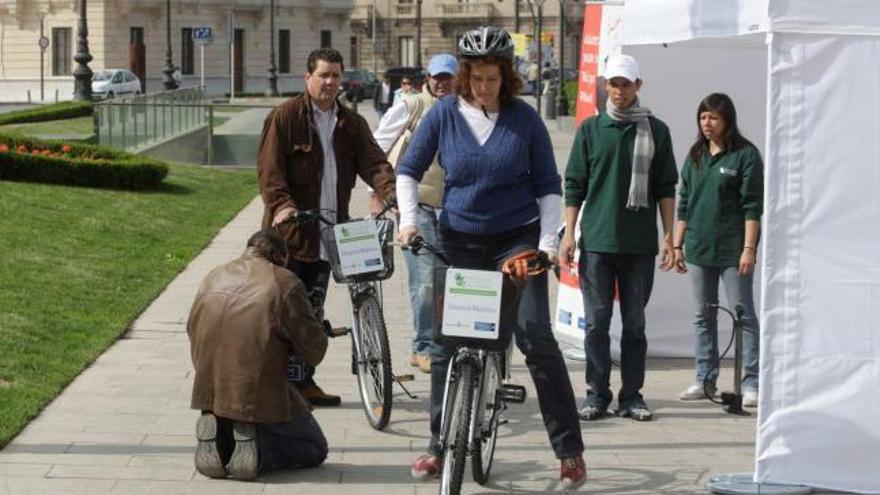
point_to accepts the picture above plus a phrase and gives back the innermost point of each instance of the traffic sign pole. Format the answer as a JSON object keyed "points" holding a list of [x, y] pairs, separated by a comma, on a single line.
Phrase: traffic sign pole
{"points": [[202, 35], [202, 65]]}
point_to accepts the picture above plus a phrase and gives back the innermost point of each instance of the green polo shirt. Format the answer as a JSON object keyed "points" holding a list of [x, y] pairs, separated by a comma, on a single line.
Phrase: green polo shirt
{"points": [[598, 176], [715, 199]]}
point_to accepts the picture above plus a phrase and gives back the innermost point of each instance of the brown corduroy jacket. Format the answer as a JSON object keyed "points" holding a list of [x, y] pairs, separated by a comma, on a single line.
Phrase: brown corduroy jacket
{"points": [[247, 319], [290, 167]]}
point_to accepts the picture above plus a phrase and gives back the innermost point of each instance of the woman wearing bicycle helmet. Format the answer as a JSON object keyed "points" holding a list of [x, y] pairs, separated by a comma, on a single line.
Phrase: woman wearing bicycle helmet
{"points": [[502, 196]]}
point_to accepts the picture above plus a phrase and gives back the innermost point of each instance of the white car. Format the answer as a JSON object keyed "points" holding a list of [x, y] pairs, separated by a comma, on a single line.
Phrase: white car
{"points": [[112, 82]]}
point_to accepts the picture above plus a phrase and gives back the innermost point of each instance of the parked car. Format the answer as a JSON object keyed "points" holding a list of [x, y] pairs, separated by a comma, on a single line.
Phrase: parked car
{"points": [[113, 82], [358, 83]]}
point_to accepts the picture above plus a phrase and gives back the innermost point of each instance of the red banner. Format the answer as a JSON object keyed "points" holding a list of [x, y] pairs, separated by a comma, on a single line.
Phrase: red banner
{"points": [[589, 66]]}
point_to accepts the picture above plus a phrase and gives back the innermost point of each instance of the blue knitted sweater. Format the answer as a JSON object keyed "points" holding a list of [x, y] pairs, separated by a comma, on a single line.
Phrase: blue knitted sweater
{"points": [[492, 188]]}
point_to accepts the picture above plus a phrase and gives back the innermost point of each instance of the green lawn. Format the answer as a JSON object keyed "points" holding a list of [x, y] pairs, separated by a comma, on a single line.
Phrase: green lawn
{"points": [[78, 125], [78, 265]]}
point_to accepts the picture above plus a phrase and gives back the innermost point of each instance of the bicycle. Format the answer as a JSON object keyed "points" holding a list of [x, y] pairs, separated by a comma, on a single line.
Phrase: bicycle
{"points": [[476, 392], [371, 355]]}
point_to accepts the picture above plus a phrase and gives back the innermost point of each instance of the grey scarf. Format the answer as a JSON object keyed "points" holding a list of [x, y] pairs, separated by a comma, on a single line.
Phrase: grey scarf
{"points": [[643, 151]]}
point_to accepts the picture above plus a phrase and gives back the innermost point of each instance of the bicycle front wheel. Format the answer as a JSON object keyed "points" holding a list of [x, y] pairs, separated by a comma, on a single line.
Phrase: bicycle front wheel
{"points": [[374, 364], [455, 449], [487, 417]]}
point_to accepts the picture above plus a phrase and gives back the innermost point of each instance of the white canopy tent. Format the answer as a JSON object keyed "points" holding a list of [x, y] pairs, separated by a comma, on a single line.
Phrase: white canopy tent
{"points": [[807, 73]]}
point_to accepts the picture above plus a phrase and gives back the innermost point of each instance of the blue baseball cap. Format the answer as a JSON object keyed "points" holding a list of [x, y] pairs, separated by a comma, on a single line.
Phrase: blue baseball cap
{"points": [[443, 63]]}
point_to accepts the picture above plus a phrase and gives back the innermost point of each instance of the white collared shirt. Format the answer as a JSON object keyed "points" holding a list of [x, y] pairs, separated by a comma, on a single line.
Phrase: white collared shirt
{"points": [[325, 122]]}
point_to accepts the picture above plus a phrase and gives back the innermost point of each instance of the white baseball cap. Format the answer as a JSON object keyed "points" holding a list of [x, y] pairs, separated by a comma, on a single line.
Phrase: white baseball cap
{"points": [[623, 66]]}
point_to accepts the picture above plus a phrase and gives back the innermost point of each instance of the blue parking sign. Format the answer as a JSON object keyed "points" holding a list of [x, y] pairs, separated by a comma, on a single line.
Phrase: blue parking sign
{"points": [[202, 34]]}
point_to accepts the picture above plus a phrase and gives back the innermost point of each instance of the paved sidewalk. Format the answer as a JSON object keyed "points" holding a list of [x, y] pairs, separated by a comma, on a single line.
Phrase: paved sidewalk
{"points": [[124, 425]]}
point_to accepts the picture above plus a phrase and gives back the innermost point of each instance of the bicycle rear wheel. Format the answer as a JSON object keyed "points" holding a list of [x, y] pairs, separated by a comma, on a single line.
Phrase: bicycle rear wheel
{"points": [[455, 449], [487, 417], [374, 364]]}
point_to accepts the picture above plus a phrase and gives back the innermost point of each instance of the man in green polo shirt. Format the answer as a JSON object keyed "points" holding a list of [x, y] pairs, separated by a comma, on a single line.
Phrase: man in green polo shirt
{"points": [[620, 168]]}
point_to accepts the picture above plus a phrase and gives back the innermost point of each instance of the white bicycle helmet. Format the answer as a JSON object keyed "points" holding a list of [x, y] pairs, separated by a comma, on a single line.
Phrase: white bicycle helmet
{"points": [[486, 41]]}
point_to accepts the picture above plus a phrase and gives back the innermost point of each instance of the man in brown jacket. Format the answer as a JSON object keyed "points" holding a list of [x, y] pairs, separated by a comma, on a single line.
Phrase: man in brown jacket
{"points": [[310, 156], [249, 316]]}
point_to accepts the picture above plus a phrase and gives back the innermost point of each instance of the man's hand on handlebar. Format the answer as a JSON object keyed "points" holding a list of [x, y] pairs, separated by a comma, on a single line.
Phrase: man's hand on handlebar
{"points": [[283, 215], [406, 234]]}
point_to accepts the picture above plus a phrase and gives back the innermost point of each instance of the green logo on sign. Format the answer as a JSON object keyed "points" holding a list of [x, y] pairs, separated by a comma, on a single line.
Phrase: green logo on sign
{"points": [[459, 280]]}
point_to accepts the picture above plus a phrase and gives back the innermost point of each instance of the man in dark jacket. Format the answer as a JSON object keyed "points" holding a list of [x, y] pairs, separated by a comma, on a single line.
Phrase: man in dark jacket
{"points": [[249, 316], [310, 156]]}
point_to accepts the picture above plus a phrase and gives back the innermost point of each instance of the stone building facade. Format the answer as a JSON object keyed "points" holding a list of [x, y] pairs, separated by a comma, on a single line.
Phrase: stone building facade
{"points": [[131, 34]]}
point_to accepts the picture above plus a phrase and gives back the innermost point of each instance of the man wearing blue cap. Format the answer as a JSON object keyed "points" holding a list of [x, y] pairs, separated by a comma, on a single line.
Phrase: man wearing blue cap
{"points": [[393, 134]]}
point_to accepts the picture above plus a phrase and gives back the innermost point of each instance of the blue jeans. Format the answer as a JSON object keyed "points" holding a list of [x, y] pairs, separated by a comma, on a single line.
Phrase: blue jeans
{"points": [[635, 279], [739, 292], [421, 283], [533, 332], [316, 278], [300, 443]]}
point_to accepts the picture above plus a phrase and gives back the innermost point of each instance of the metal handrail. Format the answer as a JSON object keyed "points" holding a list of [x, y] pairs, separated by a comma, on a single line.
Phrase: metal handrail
{"points": [[136, 121]]}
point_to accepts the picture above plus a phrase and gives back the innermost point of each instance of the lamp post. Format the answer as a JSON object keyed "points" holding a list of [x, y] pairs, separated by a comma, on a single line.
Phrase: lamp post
{"points": [[373, 35], [516, 16], [272, 76], [168, 70], [561, 100], [540, 21], [419, 33], [82, 75]]}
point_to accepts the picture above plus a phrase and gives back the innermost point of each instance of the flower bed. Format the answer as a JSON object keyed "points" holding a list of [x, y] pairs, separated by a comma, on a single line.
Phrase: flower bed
{"points": [[56, 162]]}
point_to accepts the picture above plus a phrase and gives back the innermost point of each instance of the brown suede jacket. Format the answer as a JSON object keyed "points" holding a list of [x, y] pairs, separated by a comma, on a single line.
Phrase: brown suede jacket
{"points": [[247, 319], [290, 167]]}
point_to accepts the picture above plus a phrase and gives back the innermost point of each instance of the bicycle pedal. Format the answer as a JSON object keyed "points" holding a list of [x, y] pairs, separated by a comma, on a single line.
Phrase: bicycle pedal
{"points": [[404, 378], [338, 332], [513, 393]]}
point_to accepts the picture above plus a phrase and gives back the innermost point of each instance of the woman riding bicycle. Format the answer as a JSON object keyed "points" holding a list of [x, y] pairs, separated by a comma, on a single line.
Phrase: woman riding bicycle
{"points": [[502, 198]]}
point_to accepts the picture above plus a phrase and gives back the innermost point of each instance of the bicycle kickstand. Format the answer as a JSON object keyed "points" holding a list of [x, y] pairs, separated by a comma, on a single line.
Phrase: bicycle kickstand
{"points": [[399, 379]]}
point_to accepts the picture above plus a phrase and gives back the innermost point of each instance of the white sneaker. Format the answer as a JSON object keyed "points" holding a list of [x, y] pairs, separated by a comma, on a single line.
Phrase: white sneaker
{"points": [[696, 392], [750, 398]]}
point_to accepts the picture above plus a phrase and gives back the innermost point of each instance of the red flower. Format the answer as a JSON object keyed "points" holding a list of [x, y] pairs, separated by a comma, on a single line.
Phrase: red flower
{"points": [[22, 149], [3, 147], [66, 148]]}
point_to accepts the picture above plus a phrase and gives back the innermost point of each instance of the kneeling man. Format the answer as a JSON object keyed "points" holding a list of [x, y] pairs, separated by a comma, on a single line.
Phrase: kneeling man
{"points": [[248, 318]]}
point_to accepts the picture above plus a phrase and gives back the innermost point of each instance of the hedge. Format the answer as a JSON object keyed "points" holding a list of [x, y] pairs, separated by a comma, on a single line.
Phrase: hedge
{"points": [[28, 159], [56, 111], [571, 93]]}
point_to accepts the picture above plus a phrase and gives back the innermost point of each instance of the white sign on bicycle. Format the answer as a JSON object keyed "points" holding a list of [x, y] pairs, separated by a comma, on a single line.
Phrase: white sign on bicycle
{"points": [[472, 304], [358, 246]]}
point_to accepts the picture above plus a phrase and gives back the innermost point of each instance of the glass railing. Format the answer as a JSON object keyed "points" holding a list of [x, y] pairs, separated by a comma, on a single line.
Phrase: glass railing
{"points": [[135, 122]]}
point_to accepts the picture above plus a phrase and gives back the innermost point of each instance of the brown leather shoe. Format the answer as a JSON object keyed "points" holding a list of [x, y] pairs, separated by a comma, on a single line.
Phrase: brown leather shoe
{"points": [[318, 397], [424, 362]]}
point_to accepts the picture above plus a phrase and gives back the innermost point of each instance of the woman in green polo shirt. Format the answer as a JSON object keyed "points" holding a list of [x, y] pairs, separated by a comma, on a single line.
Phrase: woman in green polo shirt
{"points": [[716, 237]]}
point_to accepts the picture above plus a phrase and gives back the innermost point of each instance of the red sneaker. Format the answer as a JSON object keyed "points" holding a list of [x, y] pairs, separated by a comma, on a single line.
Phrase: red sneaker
{"points": [[427, 466], [573, 472]]}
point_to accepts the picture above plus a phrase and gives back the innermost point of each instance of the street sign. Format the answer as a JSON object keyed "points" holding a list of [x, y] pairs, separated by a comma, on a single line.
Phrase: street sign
{"points": [[203, 35], [44, 42]]}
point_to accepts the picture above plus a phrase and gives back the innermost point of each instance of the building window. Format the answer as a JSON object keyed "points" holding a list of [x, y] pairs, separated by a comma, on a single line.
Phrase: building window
{"points": [[353, 58], [407, 51], [136, 36], [61, 51], [284, 51], [187, 51], [326, 40]]}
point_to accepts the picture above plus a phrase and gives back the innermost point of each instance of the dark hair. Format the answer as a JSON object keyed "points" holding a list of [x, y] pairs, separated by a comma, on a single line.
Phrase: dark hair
{"points": [[327, 55], [510, 82], [269, 244], [721, 104]]}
